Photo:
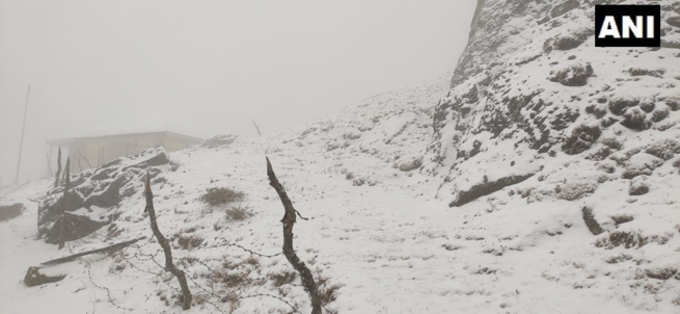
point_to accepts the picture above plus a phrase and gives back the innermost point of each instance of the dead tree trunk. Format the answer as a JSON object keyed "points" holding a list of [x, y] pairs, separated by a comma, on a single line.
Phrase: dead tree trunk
{"points": [[288, 222], [67, 174], [56, 178], [59, 222], [163, 242]]}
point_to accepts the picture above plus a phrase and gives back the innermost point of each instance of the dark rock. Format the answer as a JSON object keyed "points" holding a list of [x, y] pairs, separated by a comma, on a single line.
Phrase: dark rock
{"points": [[597, 110], [607, 122], [647, 106], [487, 188], [158, 160], [635, 119], [663, 273], [665, 150], [8, 212], [619, 105], [104, 173], [69, 227], [410, 164], [638, 186], [612, 143], [49, 209], [660, 114], [622, 219], [110, 197], [573, 75], [590, 221], [563, 8], [581, 139], [673, 21], [566, 42], [673, 103], [34, 277]]}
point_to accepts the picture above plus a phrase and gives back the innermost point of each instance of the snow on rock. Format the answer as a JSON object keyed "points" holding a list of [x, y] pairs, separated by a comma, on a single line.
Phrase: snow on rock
{"points": [[546, 180]]}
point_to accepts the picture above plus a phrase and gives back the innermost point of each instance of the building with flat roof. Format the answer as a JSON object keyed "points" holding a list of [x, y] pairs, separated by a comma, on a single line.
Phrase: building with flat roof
{"points": [[94, 151]]}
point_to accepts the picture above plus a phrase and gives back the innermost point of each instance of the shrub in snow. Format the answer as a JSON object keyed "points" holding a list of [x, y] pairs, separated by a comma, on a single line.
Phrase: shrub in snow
{"points": [[662, 273], [627, 239], [238, 213], [221, 196]]}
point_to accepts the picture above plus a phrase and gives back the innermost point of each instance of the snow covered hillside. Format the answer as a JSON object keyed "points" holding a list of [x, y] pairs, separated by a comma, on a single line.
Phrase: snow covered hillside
{"points": [[544, 179]]}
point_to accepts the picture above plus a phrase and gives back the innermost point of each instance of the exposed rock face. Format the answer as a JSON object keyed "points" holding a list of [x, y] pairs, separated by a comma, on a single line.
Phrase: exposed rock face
{"points": [[598, 127], [531, 82], [88, 204], [487, 188]]}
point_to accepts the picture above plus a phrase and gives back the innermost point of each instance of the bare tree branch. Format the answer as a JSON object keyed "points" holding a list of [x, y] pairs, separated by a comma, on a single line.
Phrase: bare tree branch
{"points": [[163, 242], [288, 222]]}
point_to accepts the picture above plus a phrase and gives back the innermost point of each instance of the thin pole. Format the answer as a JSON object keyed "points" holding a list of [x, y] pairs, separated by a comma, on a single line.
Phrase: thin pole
{"points": [[23, 129]]}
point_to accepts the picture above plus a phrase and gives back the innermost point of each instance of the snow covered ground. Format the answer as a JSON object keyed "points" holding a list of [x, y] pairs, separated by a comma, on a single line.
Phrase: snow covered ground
{"points": [[375, 230], [544, 181]]}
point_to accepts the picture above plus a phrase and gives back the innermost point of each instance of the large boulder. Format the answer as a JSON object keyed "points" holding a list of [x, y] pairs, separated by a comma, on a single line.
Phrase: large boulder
{"points": [[99, 192]]}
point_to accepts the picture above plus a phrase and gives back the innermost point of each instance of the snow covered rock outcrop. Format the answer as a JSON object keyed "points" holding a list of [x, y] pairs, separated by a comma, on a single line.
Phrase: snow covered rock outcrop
{"points": [[585, 127], [89, 202]]}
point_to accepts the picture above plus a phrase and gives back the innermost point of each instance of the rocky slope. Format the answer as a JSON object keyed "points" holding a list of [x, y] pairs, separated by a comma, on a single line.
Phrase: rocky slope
{"points": [[536, 112], [542, 182]]}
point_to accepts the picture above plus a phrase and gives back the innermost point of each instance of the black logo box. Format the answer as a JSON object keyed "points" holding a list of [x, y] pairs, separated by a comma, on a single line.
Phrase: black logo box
{"points": [[618, 11]]}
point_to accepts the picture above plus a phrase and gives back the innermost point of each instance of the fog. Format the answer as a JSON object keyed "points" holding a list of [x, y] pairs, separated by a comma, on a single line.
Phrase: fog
{"points": [[207, 67]]}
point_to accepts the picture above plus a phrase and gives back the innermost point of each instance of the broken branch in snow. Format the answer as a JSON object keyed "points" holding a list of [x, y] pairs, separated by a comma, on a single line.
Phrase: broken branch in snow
{"points": [[163, 242], [108, 249], [67, 174], [288, 222]]}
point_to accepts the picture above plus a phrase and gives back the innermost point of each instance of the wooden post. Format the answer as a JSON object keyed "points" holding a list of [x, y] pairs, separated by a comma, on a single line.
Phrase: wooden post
{"points": [[23, 131]]}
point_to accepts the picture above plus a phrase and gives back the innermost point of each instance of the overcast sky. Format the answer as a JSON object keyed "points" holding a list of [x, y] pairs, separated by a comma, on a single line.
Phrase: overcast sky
{"points": [[208, 67]]}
